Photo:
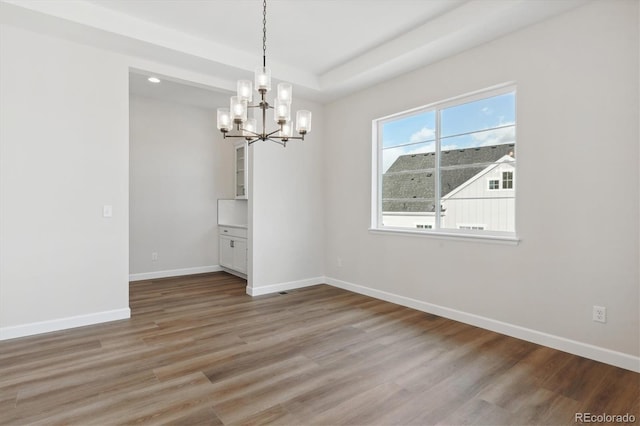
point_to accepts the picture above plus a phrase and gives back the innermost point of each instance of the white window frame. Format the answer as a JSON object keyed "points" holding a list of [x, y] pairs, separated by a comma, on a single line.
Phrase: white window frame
{"points": [[377, 167], [489, 188]]}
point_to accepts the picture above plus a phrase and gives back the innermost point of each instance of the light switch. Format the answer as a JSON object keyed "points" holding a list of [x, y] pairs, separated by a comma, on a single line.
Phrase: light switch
{"points": [[107, 211]]}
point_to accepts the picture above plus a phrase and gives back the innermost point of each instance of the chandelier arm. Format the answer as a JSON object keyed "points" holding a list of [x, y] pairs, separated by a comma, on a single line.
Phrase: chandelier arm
{"points": [[256, 134], [268, 135], [236, 136]]}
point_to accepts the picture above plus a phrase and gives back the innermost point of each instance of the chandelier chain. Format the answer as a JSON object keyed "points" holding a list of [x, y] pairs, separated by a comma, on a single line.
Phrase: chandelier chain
{"points": [[264, 33]]}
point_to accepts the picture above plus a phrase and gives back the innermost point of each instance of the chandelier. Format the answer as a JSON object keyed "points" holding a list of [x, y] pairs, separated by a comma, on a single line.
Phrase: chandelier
{"points": [[235, 122]]}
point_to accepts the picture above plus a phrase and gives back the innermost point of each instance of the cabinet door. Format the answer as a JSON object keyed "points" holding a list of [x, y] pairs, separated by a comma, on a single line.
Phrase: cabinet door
{"points": [[240, 255], [226, 251], [241, 171]]}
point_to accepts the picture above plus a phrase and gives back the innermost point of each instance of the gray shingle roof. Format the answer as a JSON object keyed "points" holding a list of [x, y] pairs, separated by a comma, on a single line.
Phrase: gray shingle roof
{"points": [[400, 184]]}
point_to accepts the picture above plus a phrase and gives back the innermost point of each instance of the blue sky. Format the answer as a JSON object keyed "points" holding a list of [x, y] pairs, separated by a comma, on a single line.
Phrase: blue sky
{"points": [[419, 130]]}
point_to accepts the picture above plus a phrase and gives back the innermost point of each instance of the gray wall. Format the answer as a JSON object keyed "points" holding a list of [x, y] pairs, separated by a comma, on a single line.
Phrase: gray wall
{"points": [[63, 156], [179, 167], [286, 211], [578, 186]]}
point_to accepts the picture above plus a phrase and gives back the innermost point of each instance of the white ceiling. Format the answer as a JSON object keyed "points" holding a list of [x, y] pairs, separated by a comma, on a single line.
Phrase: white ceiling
{"points": [[326, 48], [316, 35]]}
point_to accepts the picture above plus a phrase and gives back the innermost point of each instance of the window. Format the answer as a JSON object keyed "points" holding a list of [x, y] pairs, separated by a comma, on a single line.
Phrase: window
{"points": [[507, 180], [472, 227], [443, 163]]}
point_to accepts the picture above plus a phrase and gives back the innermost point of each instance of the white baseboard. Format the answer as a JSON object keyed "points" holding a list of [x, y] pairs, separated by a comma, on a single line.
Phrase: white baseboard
{"points": [[174, 273], [275, 288], [586, 350], [30, 329]]}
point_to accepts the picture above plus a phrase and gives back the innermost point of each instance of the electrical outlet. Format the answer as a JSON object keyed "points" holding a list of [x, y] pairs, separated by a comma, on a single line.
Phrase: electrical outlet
{"points": [[154, 256], [339, 262], [599, 313]]}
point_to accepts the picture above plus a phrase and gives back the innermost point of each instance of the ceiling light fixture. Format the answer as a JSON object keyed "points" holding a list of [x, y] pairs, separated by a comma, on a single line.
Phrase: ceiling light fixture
{"points": [[153, 80], [237, 118]]}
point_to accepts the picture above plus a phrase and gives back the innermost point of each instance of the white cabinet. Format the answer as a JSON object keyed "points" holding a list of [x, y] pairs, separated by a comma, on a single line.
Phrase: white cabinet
{"points": [[233, 249], [241, 166], [240, 255], [226, 251]]}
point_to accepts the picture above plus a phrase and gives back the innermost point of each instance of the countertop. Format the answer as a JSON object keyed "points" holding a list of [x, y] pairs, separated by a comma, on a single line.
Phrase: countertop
{"points": [[233, 225]]}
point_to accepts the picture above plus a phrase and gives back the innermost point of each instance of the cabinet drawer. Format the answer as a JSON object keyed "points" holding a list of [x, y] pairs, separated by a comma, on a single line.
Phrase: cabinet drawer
{"points": [[233, 231]]}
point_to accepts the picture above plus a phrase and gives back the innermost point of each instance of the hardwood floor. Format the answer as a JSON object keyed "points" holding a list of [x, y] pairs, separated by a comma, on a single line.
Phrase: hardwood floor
{"points": [[198, 350]]}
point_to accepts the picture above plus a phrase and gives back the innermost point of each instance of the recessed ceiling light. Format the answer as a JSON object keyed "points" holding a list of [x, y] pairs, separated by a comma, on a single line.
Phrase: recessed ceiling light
{"points": [[154, 79]]}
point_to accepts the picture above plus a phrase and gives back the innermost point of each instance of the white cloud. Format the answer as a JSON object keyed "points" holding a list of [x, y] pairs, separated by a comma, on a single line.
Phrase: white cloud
{"points": [[422, 135], [495, 137]]}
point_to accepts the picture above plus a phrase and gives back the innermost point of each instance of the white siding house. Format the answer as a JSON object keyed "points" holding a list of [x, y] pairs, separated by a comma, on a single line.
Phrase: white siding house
{"points": [[478, 190], [484, 202]]}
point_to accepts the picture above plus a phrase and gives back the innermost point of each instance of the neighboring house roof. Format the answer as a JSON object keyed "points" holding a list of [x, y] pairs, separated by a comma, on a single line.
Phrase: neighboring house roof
{"points": [[411, 176]]}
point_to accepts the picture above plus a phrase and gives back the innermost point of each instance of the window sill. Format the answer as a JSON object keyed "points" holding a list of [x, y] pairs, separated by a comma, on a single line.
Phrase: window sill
{"points": [[448, 235]]}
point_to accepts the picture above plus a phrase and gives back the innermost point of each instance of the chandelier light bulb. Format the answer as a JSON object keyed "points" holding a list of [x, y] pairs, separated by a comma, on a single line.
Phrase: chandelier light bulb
{"points": [[245, 90], [285, 92], [303, 121], [263, 79], [282, 111], [224, 119], [285, 131], [249, 128], [238, 109]]}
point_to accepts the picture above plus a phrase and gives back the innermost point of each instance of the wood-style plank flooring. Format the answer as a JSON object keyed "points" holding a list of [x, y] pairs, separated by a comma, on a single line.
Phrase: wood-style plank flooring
{"points": [[198, 350]]}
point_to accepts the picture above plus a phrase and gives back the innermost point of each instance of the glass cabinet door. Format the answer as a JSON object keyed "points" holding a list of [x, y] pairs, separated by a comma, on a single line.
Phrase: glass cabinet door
{"points": [[241, 171]]}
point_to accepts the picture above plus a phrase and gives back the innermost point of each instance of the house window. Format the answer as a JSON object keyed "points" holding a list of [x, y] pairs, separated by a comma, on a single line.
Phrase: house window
{"points": [[432, 164], [472, 227], [507, 180]]}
